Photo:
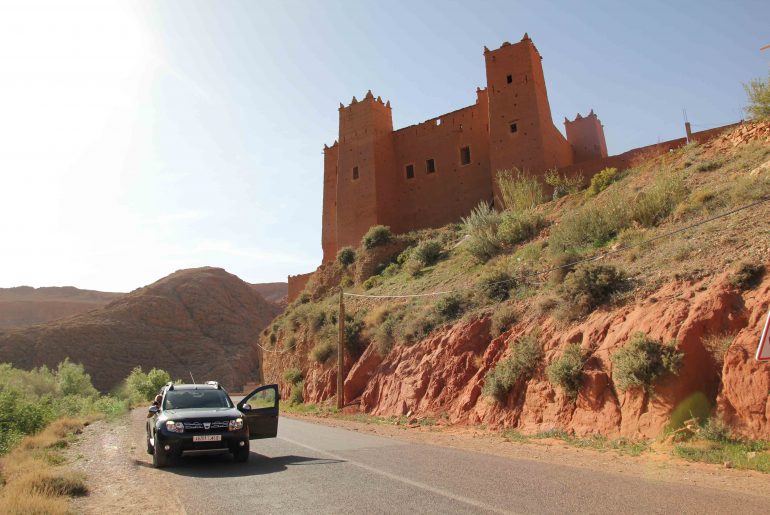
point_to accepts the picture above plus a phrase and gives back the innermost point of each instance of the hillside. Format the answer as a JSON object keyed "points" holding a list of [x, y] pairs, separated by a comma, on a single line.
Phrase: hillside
{"points": [[24, 305], [631, 341], [203, 321], [273, 292]]}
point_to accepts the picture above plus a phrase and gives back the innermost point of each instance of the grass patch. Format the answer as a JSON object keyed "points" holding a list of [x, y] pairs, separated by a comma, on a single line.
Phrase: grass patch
{"points": [[519, 191], [600, 443], [740, 455]]}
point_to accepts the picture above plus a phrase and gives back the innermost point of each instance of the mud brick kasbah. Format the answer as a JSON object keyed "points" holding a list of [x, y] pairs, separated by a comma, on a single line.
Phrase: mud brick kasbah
{"points": [[433, 173]]}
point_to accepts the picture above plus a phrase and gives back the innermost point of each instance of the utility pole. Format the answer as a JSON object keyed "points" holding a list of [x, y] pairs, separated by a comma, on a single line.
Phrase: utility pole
{"points": [[340, 354]]}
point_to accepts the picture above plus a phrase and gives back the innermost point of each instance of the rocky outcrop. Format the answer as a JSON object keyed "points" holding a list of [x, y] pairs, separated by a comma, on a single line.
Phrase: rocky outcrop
{"points": [[203, 321], [442, 376]]}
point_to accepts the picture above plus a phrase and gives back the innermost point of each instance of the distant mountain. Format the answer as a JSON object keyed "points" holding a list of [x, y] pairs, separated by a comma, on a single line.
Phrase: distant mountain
{"points": [[204, 320], [24, 305], [274, 292]]}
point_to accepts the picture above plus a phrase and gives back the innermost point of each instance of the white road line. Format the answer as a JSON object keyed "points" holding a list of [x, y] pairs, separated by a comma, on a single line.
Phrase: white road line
{"points": [[417, 484]]}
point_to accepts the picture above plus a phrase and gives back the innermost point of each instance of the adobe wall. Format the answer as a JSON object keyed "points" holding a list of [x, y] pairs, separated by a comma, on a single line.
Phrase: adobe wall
{"points": [[517, 95], [296, 285], [442, 197], [329, 215]]}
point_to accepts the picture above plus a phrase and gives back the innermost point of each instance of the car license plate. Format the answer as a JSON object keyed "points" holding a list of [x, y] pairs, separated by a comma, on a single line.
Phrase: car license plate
{"points": [[207, 438]]}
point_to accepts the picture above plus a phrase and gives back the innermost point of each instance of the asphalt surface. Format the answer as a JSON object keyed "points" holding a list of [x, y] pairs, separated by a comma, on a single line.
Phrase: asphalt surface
{"points": [[311, 468]]}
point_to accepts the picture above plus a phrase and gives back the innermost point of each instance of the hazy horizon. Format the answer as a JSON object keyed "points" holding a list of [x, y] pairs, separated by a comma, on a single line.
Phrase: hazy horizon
{"points": [[139, 138]]}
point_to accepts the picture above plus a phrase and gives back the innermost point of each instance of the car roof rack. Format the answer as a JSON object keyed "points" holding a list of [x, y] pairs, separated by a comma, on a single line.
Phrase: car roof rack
{"points": [[214, 383], [170, 385]]}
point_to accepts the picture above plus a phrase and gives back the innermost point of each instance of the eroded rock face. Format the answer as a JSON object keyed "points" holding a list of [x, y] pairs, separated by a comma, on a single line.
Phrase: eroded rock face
{"points": [[205, 321], [443, 375]]}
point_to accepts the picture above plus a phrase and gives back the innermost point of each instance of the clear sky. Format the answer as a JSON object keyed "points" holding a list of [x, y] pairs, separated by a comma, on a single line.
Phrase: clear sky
{"points": [[138, 138]]}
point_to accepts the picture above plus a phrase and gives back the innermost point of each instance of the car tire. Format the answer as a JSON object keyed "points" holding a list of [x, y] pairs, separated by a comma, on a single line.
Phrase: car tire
{"points": [[241, 454], [160, 458]]}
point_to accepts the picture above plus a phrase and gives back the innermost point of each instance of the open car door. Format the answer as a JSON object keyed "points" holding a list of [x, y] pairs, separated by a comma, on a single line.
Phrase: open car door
{"points": [[260, 409]]}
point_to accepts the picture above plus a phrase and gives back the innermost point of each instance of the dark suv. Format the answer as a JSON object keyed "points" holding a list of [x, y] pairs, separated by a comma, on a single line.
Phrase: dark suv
{"points": [[199, 418]]}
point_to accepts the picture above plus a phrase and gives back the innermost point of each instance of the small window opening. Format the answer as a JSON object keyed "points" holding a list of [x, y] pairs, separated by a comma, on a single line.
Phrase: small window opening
{"points": [[438, 121], [430, 166], [410, 171], [355, 173], [514, 127], [509, 79], [465, 155]]}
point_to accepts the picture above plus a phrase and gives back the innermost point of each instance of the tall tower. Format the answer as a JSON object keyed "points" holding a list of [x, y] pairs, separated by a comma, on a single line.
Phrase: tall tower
{"points": [[521, 131], [364, 162], [329, 218], [586, 135]]}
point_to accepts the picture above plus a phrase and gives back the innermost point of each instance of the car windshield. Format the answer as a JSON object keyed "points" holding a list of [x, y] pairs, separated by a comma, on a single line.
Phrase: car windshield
{"points": [[192, 399]]}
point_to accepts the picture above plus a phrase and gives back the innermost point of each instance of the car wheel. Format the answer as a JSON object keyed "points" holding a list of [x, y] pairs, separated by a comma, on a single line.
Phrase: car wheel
{"points": [[241, 454], [160, 458]]}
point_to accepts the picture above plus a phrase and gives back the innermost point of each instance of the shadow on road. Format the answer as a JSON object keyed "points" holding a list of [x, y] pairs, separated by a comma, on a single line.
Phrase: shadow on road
{"points": [[222, 465]]}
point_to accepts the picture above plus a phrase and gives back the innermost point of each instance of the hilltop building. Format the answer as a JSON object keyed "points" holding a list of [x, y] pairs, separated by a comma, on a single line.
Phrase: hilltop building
{"points": [[435, 172]]}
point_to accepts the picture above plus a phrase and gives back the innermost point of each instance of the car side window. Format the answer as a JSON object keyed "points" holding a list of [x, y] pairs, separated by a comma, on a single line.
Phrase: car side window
{"points": [[262, 399]]}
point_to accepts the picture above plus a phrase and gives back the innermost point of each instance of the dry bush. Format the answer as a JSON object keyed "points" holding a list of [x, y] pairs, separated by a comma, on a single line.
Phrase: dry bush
{"points": [[526, 354], [55, 435], [481, 226], [602, 180], [588, 287], [567, 370], [747, 275], [717, 345], [502, 319], [520, 191], [641, 362]]}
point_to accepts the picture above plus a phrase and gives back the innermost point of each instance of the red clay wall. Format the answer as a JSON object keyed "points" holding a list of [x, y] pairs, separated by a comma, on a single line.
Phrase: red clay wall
{"points": [[366, 129], [329, 218], [296, 285], [586, 136], [438, 198], [517, 94]]}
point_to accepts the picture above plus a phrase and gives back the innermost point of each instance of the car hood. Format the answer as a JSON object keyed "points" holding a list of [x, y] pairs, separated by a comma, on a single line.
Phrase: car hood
{"points": [[184, 414]]}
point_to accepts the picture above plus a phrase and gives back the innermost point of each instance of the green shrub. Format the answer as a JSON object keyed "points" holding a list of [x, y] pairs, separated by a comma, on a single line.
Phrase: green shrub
{"points": [[709, 166], [496, 285], [566, 372], [323, 351], [346, 256], [525, 354], [427, 252], [747, 275], [602, 180], [563, 185], [385, 335], [449, 307], [481, 226], [758, 92], [353, 341], [502, 319], [296, 397], [73, 380], [376, 235], [140, 387], [291, 343], [292, 375], [519, 191], [652, 205], [641, 362], [372, 282], [516, 227], [714, 429], [588, 287]]}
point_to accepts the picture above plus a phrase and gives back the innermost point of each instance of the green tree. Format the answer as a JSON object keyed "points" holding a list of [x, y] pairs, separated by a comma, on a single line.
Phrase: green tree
{"points": [[72, 379], [758, 92]]}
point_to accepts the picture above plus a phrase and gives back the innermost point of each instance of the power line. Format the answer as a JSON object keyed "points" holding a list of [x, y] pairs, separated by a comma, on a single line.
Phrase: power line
{"points": [[568, 265]]}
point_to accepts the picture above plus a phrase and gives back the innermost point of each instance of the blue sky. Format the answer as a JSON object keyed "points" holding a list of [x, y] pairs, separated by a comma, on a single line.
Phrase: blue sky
{"points": [[138, 138]]}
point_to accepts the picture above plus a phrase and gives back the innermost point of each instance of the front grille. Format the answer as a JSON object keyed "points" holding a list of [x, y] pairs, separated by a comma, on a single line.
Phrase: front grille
{"points": [[216, 425]]}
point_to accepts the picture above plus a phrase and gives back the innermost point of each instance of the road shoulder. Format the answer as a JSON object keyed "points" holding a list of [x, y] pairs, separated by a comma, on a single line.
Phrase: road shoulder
{"points": [[651, 466]]}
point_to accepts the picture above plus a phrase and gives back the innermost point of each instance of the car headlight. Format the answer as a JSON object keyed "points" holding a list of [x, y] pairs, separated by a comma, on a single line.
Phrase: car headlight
{"points": [[174, 427], [235, 424]]}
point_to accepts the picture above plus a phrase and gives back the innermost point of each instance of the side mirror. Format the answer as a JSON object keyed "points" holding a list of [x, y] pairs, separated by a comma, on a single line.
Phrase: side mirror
{"points": [[246, 407], [154, 409]]}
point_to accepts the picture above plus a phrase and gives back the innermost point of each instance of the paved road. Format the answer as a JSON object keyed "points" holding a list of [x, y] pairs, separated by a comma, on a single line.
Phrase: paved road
{"points": [[312, 468]]}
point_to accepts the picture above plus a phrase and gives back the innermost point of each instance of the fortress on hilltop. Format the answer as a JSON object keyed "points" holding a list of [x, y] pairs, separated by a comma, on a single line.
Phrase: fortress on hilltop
{"points": [[433, 173]]}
